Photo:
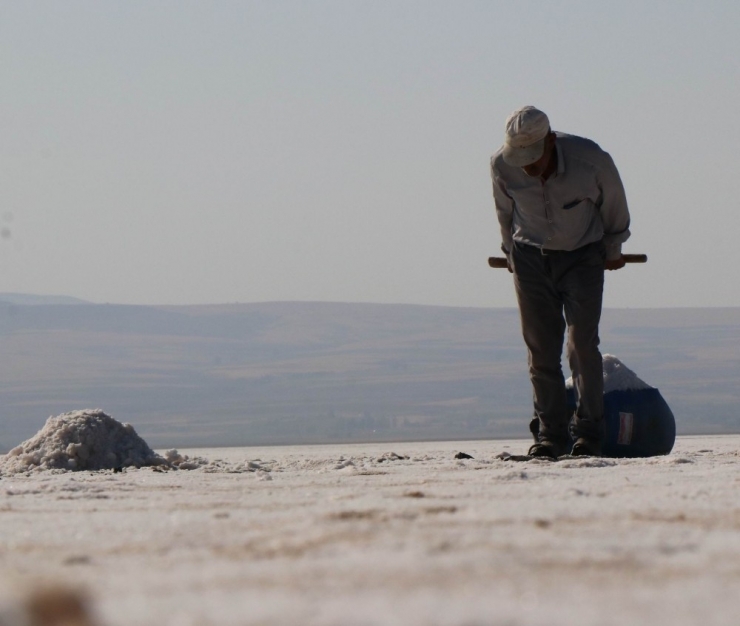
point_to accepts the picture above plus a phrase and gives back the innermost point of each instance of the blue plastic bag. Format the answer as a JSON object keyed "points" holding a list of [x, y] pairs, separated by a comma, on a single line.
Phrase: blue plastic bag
{"points": [[638, 423]]}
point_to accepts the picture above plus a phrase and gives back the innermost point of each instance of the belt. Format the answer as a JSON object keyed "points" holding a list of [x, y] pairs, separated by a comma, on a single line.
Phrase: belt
{"points": [[546, 252]]}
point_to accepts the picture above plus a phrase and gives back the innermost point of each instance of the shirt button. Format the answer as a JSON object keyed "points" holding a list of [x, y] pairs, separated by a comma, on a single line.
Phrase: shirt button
{"points": [[549, 221], [549, 238]]}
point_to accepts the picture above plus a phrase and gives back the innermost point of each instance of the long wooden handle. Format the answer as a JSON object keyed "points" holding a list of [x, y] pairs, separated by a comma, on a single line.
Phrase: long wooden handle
{"points": [[635, 258], [500, 262]]}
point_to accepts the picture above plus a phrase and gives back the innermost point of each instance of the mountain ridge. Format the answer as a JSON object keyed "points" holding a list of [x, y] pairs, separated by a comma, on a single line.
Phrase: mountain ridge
{"points": [[313, 372]]}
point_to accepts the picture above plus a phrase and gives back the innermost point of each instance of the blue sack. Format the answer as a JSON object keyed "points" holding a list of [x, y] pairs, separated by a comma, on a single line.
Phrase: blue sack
{"points": [[638, 423]]}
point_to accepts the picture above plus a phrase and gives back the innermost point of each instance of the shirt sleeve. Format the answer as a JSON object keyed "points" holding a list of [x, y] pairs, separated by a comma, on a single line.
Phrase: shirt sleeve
{"points": [[504, 210], [615, 215]]}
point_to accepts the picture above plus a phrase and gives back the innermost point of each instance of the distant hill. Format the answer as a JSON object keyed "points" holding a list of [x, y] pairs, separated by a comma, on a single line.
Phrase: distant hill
{"points": [[295, 372], [31, 299]]}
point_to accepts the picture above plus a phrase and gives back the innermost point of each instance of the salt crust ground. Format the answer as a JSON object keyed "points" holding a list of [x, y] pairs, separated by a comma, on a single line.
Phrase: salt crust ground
{"points": [[359, 534]]}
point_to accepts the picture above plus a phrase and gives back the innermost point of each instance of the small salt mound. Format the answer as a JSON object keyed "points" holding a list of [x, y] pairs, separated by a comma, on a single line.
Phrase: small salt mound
{"points": [[80, 440], [183, 461], [617, 376]]}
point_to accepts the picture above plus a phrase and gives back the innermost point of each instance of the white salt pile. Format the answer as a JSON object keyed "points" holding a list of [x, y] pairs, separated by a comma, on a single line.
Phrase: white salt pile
{"points": [[81, 440], [617, 376]]}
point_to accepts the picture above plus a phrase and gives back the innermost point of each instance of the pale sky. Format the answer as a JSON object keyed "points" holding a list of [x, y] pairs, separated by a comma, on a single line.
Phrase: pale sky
{"points": [[179, 152]]}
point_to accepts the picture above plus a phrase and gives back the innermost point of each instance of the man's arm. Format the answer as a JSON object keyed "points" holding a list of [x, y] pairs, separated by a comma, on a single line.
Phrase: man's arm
{"points": [[504, 210], [615, 215]]}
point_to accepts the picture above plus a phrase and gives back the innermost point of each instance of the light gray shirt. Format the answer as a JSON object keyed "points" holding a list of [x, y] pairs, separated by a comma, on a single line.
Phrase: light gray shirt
{"points": [[582, 202]]}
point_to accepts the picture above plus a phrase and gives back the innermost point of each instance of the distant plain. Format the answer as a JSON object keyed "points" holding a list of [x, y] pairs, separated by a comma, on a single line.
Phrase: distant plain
{"points": [[301, 372]]}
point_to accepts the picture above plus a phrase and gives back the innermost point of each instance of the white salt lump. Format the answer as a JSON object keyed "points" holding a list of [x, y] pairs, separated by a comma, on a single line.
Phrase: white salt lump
{"points": [[183, 461], [81, 440], [617, 376]]}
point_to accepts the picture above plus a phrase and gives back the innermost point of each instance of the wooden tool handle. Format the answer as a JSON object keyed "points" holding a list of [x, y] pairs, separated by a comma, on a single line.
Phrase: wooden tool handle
{"points": [[500, 262], [635, 258]]}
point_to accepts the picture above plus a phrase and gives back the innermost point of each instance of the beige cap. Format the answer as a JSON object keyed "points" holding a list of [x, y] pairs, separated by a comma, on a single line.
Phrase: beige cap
{"points": [[526, 129]]}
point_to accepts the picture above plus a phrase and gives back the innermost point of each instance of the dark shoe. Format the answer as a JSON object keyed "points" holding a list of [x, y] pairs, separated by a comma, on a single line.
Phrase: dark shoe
{"points": [[586, 447], [546, 449]]}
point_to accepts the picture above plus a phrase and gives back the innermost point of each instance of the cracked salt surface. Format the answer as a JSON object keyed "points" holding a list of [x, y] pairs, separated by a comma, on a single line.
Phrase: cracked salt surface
{"points": [[366, 534], [374, 534], [339, 536]]}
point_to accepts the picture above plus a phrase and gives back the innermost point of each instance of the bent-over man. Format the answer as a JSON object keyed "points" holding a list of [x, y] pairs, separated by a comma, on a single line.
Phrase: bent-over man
{"points": [[563, 215]]}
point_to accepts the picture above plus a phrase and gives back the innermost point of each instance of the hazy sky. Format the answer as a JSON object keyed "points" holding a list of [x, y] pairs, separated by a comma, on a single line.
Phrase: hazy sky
{"points": [[201, 152]]}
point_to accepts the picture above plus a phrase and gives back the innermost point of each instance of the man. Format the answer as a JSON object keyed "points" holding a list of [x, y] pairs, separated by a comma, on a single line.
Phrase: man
{"points": [[563, 216]]}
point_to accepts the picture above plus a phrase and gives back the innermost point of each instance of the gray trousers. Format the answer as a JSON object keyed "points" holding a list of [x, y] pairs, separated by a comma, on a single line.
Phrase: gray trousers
{"points": [[555, 290]]}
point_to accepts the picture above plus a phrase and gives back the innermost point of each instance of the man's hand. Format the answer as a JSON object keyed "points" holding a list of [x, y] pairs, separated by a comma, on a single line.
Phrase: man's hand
{"points": [[508, 264], [614, 264]]}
